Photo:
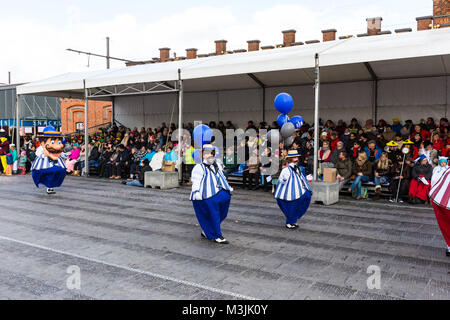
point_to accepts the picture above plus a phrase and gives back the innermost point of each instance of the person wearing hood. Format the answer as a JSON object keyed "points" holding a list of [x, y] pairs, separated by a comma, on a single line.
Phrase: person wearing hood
{"points": [[439, 170], [293, 193], [429, 152], [210, 195], [419, 186]]}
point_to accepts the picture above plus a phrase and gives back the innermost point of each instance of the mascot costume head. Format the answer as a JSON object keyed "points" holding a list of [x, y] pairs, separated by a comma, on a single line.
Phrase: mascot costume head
{"points": [[53, 143]]}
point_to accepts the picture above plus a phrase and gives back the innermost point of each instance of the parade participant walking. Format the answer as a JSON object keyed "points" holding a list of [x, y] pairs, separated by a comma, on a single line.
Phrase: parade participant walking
{"points": [[48, 168], [293, 192], [440, 196], [211, 195]]}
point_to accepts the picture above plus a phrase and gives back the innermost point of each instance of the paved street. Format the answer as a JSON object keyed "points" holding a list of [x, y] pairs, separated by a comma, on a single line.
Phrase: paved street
{"points": [[135, 243]]}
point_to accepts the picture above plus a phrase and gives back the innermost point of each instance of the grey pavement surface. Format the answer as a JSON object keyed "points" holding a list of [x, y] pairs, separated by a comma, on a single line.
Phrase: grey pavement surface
{"points": [[135, 243]]}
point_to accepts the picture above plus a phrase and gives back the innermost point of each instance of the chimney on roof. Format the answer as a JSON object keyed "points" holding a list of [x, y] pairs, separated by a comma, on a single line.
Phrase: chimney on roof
{"points": [[329, 35], [441, 13], [253, 45], [424, 23], [288, 37], [373, 26], [191, 53], [164, 54], [221, 46]]}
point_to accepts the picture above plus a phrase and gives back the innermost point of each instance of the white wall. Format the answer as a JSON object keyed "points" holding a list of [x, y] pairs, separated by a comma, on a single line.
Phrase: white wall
{"points": [[403, 98]]}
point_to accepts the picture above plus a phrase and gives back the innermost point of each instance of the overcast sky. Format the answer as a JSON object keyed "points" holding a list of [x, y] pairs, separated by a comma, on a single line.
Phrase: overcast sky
{"points": [[36, 34]]}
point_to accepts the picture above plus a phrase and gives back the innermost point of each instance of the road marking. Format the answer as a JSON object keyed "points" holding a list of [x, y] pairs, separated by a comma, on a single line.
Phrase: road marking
{"points": [[160, 276]]}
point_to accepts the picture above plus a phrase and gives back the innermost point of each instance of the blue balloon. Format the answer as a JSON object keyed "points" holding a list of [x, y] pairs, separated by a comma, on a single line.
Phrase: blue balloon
{"points": [[297, 121], [283, 102], [197, 155], [202, 134], [282, 119]]}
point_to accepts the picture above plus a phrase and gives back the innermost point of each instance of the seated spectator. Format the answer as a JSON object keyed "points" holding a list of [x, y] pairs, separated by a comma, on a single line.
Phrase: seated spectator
{"points": [[335, 155], [388, 133], [383, 171], [361, 170], [430, 153], [170, 156], [372, 151], [396, 125], [230, 161], [419, 186], [73, 158], [157, 160], [356, 149], [120, 165], [325, 157], [438, 145], [344, 168], [104, 160], [140, 181], [136, 158], [401, 172]]}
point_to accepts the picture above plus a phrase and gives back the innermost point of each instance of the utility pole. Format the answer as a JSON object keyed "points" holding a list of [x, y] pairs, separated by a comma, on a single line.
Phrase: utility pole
{"points": [[107, 52], [9, 77]]}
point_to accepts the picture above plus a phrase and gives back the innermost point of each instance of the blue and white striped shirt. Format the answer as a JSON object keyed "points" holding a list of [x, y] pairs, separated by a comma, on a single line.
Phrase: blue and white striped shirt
{"points": [[44, 162], [291, 184], [206, 182]]}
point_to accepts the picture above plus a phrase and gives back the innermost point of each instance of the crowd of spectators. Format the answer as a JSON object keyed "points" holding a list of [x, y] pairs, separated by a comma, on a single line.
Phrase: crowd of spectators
{"points": [[360, 153]]}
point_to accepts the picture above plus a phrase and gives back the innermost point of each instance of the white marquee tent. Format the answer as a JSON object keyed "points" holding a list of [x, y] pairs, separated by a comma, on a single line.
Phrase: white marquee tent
{"points": [[404, 75]]}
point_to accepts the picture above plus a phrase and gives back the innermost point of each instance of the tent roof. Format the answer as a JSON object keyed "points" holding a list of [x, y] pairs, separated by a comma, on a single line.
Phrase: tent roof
{"points": [[415, 54]]}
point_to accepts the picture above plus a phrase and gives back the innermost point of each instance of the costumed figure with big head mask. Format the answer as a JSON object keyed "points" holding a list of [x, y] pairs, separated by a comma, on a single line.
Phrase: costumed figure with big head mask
{"points": [[211, 193], [293, 192], [48, 168]]}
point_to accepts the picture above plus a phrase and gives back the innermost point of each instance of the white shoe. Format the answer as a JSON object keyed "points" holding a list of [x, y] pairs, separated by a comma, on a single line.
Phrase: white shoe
{"points": [[291, 226], [50, 191], [221, 240]]}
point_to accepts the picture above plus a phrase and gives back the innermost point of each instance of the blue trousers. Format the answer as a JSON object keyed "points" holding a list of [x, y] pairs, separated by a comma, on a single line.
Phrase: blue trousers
{"points": [[294, 210], [380, 180], [357, 184], [135, 183], [51, 177], [211, 212]]}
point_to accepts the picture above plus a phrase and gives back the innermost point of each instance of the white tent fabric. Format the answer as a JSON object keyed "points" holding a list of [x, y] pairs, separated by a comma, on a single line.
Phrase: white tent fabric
{"points": [[403, 55]]}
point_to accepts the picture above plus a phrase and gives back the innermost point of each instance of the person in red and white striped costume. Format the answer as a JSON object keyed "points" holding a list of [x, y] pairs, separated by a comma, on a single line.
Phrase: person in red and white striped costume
{"points": [[440, 195]]}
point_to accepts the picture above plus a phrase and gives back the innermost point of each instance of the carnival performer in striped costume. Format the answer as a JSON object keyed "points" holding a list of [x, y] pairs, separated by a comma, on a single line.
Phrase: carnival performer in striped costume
{"points": [[293, 192], [211, 195], [48, 168], [440, 195]]}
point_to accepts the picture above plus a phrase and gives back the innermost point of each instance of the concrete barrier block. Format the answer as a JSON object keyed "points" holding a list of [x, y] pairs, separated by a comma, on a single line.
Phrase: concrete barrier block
{"points": [[163, 180], [325, 192]]}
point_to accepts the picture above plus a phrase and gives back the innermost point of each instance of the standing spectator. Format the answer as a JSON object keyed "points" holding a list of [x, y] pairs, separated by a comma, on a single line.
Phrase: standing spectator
{"points": [[15, 157], [383, 170], [361, 170], [399, 177], [23, 162], [230, 161], [251, 174]]}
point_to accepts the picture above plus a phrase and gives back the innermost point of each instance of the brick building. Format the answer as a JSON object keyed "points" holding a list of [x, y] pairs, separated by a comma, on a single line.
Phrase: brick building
{"points": [[72, 114]]}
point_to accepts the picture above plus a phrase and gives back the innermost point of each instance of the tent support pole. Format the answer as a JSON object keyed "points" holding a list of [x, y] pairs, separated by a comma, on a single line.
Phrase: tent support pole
{"points": [[264, 104], [112, 111], [86, 129], [316, 116], [17, 123], [180, 126]]}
